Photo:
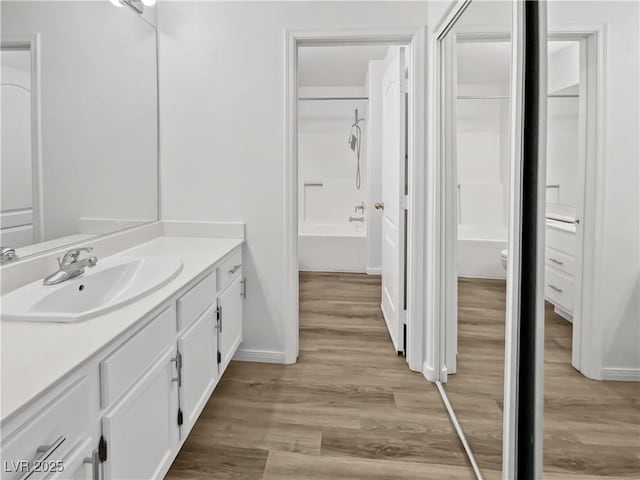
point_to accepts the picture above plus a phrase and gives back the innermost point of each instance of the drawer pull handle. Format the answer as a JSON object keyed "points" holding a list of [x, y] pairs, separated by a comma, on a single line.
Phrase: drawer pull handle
{"points": [[557, 262], [553, 287], [42, 453], [94, 460], [235, 269], [178, 361]]}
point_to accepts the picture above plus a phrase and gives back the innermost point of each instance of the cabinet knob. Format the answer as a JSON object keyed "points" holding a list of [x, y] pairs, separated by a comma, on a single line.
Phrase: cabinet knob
{"points": [[379, 206]]}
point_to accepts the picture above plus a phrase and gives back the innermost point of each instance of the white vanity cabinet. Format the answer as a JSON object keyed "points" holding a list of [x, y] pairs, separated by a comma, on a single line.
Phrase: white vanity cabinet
{"points": [[231, 292], [50, 434], [125, 412], [560, 264]]}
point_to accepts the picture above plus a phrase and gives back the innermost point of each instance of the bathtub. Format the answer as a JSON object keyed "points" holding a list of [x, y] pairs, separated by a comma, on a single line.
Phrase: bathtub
{"points": [[479, 253], [332, 248]]}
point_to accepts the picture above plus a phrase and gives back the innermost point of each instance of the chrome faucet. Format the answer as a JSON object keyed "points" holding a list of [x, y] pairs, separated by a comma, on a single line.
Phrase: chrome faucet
{"points": [[8, 255], [71, 266], [356, 219]]}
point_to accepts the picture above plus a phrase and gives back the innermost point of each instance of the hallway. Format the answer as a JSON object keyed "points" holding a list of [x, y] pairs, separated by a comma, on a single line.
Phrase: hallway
{"points": [[349, 409]]}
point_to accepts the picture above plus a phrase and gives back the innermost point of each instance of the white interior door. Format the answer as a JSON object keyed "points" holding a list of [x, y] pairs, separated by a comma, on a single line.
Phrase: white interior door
{"points": [[16, 214], [393, 194]]}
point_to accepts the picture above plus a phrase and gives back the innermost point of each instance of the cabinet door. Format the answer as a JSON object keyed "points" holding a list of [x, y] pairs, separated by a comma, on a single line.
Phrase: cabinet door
{"points": [[198, 347], [230, 324], [141, 430]]}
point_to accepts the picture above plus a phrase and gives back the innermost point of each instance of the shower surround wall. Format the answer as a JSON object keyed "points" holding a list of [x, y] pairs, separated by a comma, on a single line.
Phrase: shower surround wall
{"points": [[482, 168], [328, 240]]}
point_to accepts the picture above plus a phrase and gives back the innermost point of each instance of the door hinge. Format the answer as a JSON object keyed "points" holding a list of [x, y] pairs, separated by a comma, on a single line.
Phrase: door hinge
{"points": [[180, 417], [405, 202], [102, 449], [244, 288], [219, 357]]}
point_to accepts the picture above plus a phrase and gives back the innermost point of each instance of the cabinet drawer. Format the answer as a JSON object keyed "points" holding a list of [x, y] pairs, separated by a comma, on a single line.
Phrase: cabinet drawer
{"points": [[193, 303], [560, 261], [559, 289], [230, 269], [51, 434], [120, 369], [561, 240]]}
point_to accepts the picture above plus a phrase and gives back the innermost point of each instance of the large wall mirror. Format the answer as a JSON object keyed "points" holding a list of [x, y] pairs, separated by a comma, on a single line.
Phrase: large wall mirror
{"points": [[591, 335], [79, 123]]}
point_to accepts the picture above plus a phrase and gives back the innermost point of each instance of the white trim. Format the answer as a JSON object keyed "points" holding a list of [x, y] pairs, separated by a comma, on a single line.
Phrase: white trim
{"points": [[415, 38], [332, 270], [260, 356], [621, 374], [374, 271], [291, 266], [509, 443]]}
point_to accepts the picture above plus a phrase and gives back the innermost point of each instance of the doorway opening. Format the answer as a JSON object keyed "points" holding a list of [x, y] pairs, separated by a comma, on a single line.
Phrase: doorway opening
{"points": [[352, 177], [352, 148]]}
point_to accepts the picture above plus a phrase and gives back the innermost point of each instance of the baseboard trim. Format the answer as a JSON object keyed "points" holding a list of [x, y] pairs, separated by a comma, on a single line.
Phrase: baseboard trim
{"points": [[374, 270], [621, 374], [260, 356], [429, 373], [330, 270]]}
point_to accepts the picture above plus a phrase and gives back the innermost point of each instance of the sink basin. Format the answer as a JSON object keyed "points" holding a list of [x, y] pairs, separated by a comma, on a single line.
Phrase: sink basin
{"points": [[111, 284]]}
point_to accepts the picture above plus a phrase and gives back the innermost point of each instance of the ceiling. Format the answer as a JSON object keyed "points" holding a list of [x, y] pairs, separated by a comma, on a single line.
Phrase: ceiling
{"points": [[481, 63], [336, 66]]}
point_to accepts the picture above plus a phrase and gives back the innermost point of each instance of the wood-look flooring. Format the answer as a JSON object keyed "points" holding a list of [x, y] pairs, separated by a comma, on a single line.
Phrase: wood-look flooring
{"points": [[591, 428], [349, 409]]}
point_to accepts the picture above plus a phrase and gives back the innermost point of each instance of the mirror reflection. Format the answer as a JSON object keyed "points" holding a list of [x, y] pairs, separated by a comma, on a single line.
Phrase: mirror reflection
{"points": [[79, 122], [592, 337], [477, 103]]}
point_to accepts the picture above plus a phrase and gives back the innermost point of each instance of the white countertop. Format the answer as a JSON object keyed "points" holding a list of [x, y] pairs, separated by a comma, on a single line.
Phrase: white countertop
{"points": [[35, 356]]}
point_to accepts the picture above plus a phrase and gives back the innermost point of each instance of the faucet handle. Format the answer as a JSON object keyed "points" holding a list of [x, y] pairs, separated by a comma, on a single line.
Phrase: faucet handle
{"points": [[72, 255]]}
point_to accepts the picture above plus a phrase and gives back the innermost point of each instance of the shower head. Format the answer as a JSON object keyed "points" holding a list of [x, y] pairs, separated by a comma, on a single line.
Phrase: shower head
{"points": [[353, 142]]}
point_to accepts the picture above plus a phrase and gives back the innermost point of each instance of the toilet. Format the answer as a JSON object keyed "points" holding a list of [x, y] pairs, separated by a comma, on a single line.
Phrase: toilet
{"points": [[503, 258]]}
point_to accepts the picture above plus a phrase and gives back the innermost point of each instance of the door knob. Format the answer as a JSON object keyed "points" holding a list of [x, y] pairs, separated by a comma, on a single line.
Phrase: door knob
{"points": [[379, 206]]}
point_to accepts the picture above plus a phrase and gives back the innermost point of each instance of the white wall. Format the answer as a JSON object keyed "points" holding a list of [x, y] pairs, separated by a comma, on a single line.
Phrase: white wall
{"points": [[222, 109], [375, 73], [98, 110]]}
